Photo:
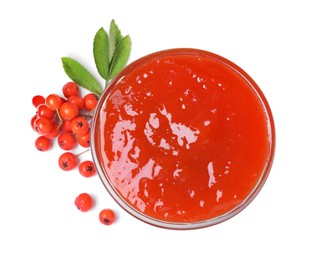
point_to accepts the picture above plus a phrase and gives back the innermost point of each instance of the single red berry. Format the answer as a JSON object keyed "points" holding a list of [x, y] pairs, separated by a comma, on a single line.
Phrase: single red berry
{"points": [[87, 168], [67, 161], [107, 217], [44, 125], [90, 101], [53, 102], [78, 100], [70, 89], [44, 111], [38, 100], [79, 125], [67, 141], [68, 111], [84, 202], [84, 140], [42, 143]]}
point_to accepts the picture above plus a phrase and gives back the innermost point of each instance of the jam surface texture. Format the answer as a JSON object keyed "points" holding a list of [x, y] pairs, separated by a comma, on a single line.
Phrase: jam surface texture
{"points": [[182, 138]]}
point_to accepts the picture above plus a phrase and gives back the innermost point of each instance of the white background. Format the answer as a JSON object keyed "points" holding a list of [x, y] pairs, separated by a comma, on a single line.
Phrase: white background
{"points": [[271, 40]]}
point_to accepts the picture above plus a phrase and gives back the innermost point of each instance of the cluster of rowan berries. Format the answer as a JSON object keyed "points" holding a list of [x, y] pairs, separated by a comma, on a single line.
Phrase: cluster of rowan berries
{"points": [[67, 119]]}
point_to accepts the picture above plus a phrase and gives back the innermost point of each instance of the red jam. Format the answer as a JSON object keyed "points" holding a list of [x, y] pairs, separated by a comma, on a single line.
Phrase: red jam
{"points": [[183, 136]]}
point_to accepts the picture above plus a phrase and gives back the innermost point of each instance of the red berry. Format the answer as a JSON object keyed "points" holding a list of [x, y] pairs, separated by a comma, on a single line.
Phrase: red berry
{"points": [[67, 141], [84, 140], [78, 100], [42, 143], [87, 168], [38, 100], [44, 111], [70, 89], [79, 125], [90, 101], [84, 202], [67, 161], [44, 125], [68, 111], [53, 102], [107, 217]]}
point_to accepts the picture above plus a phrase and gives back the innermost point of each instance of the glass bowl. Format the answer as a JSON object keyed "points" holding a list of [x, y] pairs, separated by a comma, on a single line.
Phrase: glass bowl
{"points": [[183, 139]]}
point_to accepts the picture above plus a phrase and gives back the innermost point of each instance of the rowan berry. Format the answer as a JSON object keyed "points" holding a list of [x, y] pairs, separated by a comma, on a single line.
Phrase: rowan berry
{"points": [[84, 202], [107, 217], [79, 125], [68, 111], [44, 111], [90, 101], [53, 102], [67, 141], [38, 100], [44, 125], [84, 140], [42, 143], [70, 89], [87, 168], [67, 161]]}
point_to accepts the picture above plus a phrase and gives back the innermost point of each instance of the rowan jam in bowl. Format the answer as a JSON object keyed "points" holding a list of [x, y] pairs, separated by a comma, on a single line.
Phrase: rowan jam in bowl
{"points": [[183, 139]]}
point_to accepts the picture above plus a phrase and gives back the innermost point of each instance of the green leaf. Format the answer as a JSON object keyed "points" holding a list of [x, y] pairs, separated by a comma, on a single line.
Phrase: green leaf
{"points": [[101, 53], [114, 38], [81, 75], [121, 56]]}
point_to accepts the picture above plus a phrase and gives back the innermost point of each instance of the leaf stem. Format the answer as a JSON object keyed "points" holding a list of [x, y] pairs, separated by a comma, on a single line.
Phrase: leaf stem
{"points": [[106, 84]]}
